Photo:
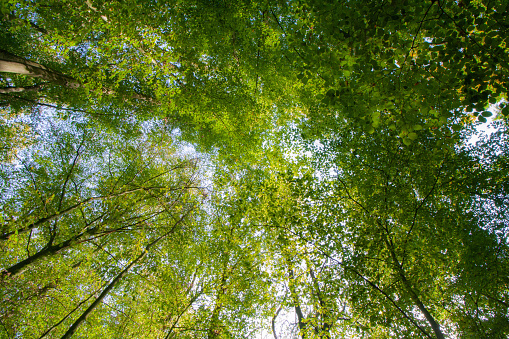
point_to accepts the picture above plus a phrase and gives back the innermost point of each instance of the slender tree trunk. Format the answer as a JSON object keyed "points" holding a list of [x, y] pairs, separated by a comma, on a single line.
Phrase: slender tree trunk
{"points": [[110, 286], [274, 321], [48, 250], [175, 323], [68, 315], [214, 331], [324, 330], [41, 221], [296, 303], [431, 320], [99, 299], [415, 298]]}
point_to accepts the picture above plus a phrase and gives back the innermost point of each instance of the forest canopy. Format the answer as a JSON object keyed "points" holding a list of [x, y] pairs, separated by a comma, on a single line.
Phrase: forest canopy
{"points": [[245, 169]]}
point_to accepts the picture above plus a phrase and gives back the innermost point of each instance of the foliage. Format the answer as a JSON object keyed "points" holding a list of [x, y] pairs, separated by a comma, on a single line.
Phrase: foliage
{"points": [[331, 187]]}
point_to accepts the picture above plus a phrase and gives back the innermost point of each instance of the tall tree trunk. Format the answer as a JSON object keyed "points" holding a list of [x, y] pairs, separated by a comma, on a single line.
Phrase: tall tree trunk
{"points": [[296, 302], [110, 286], [415, 298], [214, 330], [274, 321], [431, 320], [68, 314], [48, 250], [10, 63], [34, 88], [69, 209], [324, 330], [99, 299]]}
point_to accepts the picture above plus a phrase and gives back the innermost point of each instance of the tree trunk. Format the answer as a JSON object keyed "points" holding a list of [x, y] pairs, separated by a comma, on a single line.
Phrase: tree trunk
{"points": [[110, 286], [10, 63], [68, 314], [324, 330], [431, 320], [415, 298], [50, 249], [34, 88], [274, 321], [99, 299], [41, 221], [298, 310], [214, 330]]}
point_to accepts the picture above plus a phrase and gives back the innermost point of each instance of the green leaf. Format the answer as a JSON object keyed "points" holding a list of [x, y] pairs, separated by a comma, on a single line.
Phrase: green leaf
{"points": [[412, 136], [505, 110], [456, 127]]}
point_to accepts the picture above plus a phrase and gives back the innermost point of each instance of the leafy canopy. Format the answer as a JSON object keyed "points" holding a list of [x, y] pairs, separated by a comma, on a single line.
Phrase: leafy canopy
{"points": [[231, 169]]}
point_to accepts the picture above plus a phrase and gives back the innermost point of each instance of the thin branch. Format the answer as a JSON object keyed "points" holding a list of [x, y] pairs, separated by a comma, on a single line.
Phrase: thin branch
{"points": [[274, 321], [34, 88], [191, 302], [415, 36], [6, 331], [28, 243], [418, 207], [351, 198], [54, 216]]}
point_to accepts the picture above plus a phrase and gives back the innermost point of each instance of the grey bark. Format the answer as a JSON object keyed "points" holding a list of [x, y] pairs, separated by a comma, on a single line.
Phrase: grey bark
{"points": [[34, 88], [10, 63]]}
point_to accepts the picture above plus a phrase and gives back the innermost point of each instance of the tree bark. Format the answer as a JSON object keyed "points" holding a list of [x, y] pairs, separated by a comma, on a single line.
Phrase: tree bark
{"points": [[431, 320], [324, 330], [99, 299], [274, 321], [68, 315], [10, 63], [298, 310], [214, 330], [189, 304], [41, 221], [34, 88]]}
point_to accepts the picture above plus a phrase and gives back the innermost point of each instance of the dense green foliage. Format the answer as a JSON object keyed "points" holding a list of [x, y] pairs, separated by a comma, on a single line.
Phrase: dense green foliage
{"points": [[242, 169]]}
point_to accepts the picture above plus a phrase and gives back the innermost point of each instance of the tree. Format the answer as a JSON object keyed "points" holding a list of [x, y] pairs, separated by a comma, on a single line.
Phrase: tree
{"points": [[171, 65], [83, 206], [409, 65], [332, 180], [396, 233]]}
